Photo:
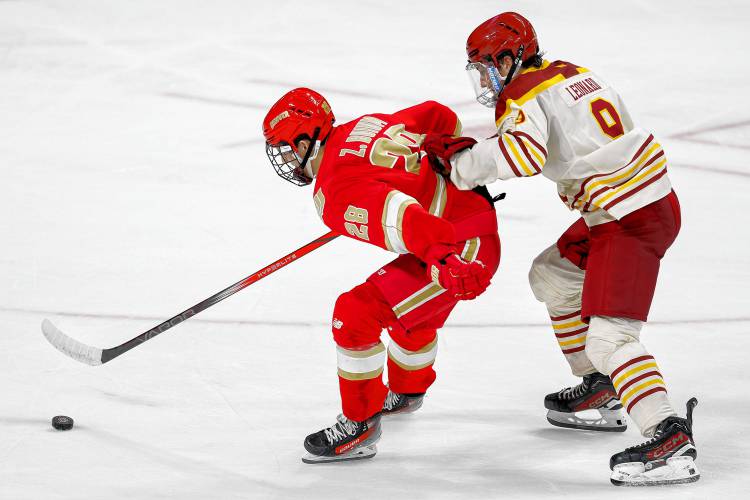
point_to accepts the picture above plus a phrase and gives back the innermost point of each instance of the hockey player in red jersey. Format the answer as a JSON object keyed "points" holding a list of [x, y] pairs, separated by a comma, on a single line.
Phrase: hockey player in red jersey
{"points": [[598, 279], [372, 184]]}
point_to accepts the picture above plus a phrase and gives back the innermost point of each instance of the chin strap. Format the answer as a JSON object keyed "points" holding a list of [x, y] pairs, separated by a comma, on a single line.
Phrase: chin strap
{"points": [[309, 153], [307, 169], [312, 153], [511, 72]]}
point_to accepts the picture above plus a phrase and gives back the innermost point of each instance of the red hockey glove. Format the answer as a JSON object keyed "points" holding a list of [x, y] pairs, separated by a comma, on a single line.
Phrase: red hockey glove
{"points": [[441, 147], [461, 279]]}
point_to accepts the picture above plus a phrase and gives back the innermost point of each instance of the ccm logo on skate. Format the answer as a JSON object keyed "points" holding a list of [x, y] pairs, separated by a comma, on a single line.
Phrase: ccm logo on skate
{"points": [[348, 446], [668, 446], [598, 400]]}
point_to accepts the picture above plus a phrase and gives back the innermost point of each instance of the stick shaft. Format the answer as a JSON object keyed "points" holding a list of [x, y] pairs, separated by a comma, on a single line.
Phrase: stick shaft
{"points": [[108, 354]]}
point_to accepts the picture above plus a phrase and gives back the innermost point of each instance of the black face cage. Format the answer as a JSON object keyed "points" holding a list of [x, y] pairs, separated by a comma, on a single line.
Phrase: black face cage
{"points": [[286, 163]]}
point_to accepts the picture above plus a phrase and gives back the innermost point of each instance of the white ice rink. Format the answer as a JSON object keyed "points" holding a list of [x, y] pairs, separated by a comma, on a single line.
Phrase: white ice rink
{"points": [[135, 183]]}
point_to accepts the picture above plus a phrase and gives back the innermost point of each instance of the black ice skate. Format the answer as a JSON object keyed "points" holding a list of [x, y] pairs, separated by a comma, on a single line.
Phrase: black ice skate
{"points": [[667, 458], [402, 403], [344, 440], [596, 392]]}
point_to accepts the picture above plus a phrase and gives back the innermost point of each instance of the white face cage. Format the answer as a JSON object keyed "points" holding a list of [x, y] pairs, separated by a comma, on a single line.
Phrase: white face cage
{"points": [[486, 82]]}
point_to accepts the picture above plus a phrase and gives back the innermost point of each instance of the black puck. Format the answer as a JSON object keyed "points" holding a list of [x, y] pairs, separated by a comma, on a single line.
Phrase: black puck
{"points": [[62, 423]]}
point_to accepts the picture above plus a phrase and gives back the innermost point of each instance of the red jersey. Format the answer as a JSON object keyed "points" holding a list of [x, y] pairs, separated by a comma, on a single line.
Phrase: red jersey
{"points": [[375, 184]]}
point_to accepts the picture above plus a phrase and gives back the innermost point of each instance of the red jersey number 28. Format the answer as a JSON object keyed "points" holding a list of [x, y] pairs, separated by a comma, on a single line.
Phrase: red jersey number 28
{"points": [[356, 222]]}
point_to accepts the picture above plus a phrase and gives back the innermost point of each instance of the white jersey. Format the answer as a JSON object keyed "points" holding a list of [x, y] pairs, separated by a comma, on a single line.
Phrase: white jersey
{"points": [[568, 124]]}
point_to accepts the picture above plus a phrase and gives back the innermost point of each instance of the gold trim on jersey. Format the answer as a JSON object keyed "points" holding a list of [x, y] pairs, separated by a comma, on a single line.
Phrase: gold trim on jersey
{"points": [[638, 179], [541, 158], [459, 128], [440, 198], [471, 249], [517, 155], [614, 177], [395, 205], [320, 200], [521, 153], [418, 298], [531, 94]]}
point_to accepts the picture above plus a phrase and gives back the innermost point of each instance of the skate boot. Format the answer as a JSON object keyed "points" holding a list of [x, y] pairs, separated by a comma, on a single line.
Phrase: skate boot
{"points": [[596, 392], [667, 458], [344, 440], [402, 403]]}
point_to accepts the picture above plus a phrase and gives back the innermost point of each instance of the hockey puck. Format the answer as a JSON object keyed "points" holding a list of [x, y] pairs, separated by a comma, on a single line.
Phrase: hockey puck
{"points": [[62, 423]]}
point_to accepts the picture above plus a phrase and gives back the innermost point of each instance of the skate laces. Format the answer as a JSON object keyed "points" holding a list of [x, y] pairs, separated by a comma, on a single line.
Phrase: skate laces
{"points": [[341, 429], [574, 392], [392, 400], [658, 433]]}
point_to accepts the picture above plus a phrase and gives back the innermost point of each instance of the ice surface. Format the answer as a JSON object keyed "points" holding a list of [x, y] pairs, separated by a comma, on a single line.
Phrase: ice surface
{"points": [[134, 183]]}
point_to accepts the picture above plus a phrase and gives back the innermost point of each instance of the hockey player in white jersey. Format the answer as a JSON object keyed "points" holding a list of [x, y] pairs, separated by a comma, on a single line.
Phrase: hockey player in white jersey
{"points": [[567, 123]]}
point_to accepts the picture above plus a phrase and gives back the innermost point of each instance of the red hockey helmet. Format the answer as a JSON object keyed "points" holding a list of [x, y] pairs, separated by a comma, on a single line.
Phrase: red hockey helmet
{"points": [[300, 114], [507, 34], [502, 35]]}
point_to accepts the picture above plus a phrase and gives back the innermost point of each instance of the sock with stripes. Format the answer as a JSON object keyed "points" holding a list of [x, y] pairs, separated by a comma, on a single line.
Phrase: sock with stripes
{"points": [[570, 333], [640, 386]]}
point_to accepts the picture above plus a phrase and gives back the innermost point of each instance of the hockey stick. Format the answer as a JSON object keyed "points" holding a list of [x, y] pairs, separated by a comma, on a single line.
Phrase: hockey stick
{"points": [[95, 356]]}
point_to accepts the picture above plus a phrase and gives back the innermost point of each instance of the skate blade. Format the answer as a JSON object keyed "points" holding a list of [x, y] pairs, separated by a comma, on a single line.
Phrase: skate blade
{"points": [[357, 454], [608, 421], [676, 470]]}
